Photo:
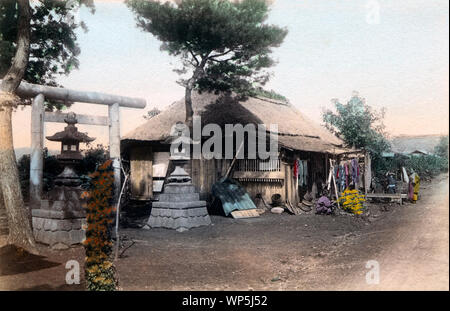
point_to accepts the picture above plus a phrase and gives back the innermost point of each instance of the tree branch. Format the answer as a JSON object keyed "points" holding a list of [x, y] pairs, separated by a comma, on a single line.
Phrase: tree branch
{"points": [[221, 54], [16, 72], [193, 56]]}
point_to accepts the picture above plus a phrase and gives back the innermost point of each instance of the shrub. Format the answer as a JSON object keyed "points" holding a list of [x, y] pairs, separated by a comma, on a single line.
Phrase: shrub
{"points": [[427, 166], [52, 168], [99, 269]]}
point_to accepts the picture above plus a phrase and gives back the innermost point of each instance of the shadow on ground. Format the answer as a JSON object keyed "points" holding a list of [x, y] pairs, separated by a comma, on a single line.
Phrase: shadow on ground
{"points": [[47, 287], [16, 260]]}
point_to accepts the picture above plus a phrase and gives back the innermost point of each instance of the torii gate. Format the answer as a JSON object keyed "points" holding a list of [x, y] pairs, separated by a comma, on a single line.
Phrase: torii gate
{"points": [[39, 116]]}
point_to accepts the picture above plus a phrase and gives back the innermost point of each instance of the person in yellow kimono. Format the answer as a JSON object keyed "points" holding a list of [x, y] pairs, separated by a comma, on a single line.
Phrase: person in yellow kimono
{"points": [[415, 179], [352, 200]]}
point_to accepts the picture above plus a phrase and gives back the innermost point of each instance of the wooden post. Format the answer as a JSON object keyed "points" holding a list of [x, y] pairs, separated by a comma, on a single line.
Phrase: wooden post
{"points": [[114, 145], [334, 184], [367, 172], [37, 146]]}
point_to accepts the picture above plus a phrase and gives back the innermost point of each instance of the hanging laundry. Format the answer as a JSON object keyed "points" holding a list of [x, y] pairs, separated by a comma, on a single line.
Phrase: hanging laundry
{"points": [[300, 172], [305, 173], [295, 169], [341, 178], [405, 175], [355, 168], [347, 174]]}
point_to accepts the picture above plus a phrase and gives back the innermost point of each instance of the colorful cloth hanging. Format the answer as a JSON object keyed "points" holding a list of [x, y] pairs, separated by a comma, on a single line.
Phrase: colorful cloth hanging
{"points": [[355, 171], [300, 172], [305, 173], [341, 178], [295, 174]]}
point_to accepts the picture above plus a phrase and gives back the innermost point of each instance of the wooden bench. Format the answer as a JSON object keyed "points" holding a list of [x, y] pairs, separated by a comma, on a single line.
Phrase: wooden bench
{"points": [[395, 197]]}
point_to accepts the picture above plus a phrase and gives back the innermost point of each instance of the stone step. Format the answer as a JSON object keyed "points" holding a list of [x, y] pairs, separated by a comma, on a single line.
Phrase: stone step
{"points": [[174, 188], [179, 223], [176, 213], [178, 197], [51, 238], [179, 205]]}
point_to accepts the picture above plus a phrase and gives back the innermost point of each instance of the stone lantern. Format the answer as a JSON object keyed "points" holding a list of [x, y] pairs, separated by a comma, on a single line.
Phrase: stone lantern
{"points": [[59, 220], [179, 206], [70, 155]]}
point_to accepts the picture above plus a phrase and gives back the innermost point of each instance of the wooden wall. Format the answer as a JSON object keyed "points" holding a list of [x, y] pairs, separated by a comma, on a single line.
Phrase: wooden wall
{"points": [[141, 167], [205, 173]]}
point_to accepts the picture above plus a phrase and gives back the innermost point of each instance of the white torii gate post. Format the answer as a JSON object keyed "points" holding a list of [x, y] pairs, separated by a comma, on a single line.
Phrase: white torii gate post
{"points": [[114, 145], [37, 145]]}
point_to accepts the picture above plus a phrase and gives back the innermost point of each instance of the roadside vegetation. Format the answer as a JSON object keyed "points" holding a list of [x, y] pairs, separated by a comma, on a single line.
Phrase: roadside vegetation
{"points": [[361, 126]]}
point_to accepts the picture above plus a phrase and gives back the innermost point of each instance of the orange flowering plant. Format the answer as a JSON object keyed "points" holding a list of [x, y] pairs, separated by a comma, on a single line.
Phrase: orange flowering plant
{"points": [[99, 269]]}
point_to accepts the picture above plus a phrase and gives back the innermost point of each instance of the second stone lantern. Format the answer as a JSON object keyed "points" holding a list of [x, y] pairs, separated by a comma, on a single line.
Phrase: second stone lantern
{"points": [[59, 220]]}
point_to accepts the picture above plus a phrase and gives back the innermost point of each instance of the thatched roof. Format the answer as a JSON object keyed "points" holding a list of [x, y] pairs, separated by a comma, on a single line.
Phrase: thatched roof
{"points": [[295, 130], [409, 143]]}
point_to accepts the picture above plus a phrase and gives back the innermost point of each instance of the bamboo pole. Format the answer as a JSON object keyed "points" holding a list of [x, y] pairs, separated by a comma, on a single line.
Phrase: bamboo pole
{"points": [[334, 183], [116, 256]]}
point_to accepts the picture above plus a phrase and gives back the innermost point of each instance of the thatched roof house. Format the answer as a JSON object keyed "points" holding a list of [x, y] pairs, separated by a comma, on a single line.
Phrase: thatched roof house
{"points": [[299, 138], [296, 131]]}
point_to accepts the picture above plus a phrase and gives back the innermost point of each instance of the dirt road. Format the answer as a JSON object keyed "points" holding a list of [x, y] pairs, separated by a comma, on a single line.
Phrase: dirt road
{"points": [[307, 252], [273, 252], [417, 245]]}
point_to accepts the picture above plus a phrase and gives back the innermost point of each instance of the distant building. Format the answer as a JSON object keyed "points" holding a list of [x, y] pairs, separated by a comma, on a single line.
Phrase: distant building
{"points": [[419, 153], [415, 145]]}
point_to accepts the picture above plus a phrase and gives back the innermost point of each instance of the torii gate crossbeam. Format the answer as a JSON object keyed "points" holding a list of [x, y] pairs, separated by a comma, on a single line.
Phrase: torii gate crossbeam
{"points": [[39, 116]]}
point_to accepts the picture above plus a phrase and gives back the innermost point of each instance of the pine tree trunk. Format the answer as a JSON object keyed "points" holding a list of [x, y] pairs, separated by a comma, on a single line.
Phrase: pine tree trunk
{"points": [[188, 105], [19, 220], [188, 92], [3, 216]]}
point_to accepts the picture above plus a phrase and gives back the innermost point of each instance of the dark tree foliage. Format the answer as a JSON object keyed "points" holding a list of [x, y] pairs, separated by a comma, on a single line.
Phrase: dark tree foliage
{"points": [[52, 168], [224, 45], [360, 126], [53, 43], [442, 148], [92, 158]]}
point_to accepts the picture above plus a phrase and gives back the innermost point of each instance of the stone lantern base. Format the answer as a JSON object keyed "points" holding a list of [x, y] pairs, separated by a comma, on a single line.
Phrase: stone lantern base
{"points": [[60, 222], [179, 207]]}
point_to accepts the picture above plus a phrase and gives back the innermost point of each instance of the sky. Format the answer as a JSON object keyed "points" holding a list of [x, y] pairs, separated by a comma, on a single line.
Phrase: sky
{"points": [[397, 59]]}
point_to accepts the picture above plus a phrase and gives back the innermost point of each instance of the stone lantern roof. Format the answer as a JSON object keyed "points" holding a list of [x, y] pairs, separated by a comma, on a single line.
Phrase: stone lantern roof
{"points": [[70, 139], [70, 132]]}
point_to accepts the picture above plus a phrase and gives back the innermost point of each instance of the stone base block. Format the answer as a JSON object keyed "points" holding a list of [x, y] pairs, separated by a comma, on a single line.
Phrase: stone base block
{"points": [[178, 197], [180, 223], [59, 232]]}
